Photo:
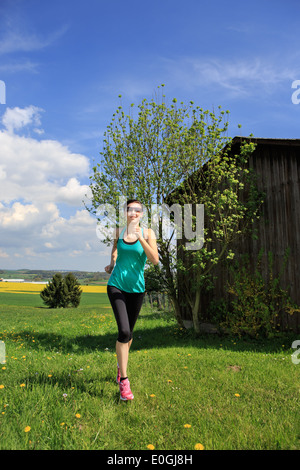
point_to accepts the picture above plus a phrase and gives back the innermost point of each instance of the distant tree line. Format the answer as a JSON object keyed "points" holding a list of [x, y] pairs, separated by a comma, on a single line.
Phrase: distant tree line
{"points": [[45, 275]]}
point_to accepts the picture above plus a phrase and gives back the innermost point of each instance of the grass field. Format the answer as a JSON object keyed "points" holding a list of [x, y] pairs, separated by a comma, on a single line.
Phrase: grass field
{"points": [[58, 390]]}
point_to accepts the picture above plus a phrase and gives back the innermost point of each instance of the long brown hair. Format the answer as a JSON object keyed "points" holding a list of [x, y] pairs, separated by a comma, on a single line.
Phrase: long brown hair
{"points": [[133, 200]]}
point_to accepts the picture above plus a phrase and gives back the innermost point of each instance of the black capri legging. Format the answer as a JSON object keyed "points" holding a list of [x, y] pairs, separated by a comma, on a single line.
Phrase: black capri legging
{"points": [[126, 307]]}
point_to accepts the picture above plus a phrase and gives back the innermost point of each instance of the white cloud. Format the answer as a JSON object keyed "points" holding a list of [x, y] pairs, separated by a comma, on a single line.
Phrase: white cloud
{"points": [[72, 193], [42, 170], [17, 118], [15, 40], [19, 215], [37, 179], [17, 67], [238, 76]]}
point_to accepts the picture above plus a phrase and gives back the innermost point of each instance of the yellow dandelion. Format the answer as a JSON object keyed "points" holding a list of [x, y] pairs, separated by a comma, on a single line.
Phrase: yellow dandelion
{"points": [[150, 447], [62, 424], [152, 395], [22, 385], [27, 429], [237, 395], [1, 386], [169, 381], [187, 426], [199, 446], [3, 368], [78, 415], [49, 375]]}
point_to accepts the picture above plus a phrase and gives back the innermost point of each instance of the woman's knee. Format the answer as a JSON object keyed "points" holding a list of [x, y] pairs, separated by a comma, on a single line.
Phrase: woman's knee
{"points": [[124, 336]]}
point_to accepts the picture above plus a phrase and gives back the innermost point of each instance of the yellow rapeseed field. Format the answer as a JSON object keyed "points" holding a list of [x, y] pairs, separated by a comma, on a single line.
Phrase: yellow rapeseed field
{"points": [[28, 287], [96, 289]]}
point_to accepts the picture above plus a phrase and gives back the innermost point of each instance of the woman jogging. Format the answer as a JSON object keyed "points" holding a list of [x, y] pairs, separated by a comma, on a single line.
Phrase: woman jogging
{"points": [[126, 286]]}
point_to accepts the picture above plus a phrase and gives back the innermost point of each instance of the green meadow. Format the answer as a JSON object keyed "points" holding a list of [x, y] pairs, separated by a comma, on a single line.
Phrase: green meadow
{"points": [[58, 388]]}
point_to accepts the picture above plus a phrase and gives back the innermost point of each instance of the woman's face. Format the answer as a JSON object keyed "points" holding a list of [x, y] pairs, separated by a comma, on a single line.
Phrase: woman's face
{"points": [[134, 212]]}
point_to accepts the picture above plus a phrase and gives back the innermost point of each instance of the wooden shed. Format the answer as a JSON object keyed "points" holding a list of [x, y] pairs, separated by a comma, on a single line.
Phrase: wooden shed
{"points": [[277, 165]]}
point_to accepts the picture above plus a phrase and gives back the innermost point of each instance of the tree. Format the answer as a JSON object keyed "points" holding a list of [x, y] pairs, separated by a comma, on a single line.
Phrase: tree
{"points": [[153, 283], [176, 153], [226, 186], [72, 291], [62, 292]]}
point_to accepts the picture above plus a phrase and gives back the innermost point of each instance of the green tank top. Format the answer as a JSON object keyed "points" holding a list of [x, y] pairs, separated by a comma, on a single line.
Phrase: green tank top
{"points": [[128, 272]]}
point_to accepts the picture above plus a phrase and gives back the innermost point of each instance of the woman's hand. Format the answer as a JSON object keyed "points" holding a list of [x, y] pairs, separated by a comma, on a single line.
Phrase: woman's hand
{"points": [[109, 268], [138, 232]]}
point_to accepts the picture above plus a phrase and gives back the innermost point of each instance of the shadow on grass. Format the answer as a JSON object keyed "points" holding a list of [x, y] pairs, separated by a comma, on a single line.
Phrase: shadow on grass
{"points": [[151, 338], [97, 386]]}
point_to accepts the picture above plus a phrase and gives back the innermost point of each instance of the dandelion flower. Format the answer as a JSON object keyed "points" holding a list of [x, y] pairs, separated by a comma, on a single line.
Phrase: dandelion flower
{"points": [[27, 429], [199, 446], [22, 385], [50, 375], [237, 395], [152, 395], [1, 386], [150, 447], [187, 426], [78, 415]]}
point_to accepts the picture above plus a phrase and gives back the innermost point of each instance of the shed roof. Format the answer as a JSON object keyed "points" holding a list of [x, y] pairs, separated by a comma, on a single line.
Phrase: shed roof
{"points": [[267, 141], [256, 140]]}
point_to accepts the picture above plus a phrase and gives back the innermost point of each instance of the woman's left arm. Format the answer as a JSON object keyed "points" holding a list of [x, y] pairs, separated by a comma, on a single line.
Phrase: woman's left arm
{"points": [[149, 245]]}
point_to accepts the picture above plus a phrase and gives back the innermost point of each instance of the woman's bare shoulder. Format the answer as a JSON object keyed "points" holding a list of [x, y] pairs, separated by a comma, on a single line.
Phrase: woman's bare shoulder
{"points": [[149, 234], [117, 232]]}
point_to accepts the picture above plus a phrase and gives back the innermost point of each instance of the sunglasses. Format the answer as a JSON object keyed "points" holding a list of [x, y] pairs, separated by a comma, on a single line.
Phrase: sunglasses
{"points": [[136, 209]]}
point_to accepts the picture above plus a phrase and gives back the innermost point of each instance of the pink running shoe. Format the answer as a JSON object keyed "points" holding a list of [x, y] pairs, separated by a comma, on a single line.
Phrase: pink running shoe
{"points": [[118, 375], [125, 392]]}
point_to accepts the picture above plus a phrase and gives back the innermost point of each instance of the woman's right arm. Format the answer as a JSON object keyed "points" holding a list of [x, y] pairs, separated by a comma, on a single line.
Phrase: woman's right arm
{"points": [[114, 253]]}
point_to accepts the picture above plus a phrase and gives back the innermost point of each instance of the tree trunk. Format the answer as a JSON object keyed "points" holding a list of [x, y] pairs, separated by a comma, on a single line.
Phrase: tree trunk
{"points": [[195, 308], [176, 306], [159, 301], [195, 314]]}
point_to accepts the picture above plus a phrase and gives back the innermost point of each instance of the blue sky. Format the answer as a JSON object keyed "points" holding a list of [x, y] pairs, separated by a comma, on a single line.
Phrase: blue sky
{"points": [[65, 62]]}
